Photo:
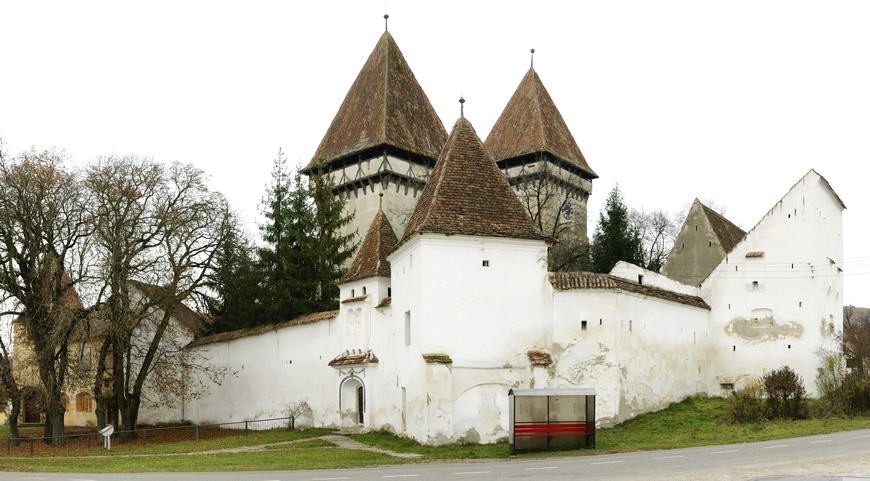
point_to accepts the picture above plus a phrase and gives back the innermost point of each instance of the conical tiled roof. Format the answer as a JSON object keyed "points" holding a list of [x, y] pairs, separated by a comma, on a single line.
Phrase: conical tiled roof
{"points": [[467, 194], [385, 106], [371, 258], [531, 123], [727, 232]]}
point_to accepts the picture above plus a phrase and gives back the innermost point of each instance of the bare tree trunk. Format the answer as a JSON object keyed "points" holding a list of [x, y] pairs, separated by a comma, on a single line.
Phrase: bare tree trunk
{"points": [[14, 414]]}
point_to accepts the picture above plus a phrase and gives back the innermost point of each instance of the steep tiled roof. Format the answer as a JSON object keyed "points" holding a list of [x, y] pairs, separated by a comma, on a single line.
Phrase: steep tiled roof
{"points": [[354, 358], [467, 194], [590, 280], [727, 232], [371, 258], [531, 123], [385, 106], [253, 331]]}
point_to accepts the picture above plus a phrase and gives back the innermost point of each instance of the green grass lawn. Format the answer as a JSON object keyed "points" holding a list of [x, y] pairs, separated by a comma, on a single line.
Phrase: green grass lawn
{"points": [[694, 422]]}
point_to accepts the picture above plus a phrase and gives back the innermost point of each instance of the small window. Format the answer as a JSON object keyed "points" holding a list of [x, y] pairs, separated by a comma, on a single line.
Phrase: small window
{"points": [[389, 292], [640, 279], [709, 243], [407, 328], [800, 303], [84, 402], [485, 263], [364, 290], [684, 245], [696, 228], [755, 284], [735, 268], [629, 325], [789, 346], [734, 348], [582, 325], [600, 322], [352, 293]]}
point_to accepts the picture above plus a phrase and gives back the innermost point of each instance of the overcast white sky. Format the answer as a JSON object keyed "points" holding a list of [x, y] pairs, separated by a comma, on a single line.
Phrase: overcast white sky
{"points": [[728, 101]]}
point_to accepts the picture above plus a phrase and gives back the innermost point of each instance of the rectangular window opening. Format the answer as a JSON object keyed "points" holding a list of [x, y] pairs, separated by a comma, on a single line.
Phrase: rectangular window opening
{"points": [[389, 292], [407, 328], [640, 279], [485, 263], [582, 325], [364, 290]]}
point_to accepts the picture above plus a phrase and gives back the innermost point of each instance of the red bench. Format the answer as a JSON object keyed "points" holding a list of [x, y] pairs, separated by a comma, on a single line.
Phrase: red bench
{"points": [[555, 429]]}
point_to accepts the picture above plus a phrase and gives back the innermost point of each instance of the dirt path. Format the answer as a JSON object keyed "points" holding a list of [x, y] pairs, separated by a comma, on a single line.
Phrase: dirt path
{"points": [[338, 440]]}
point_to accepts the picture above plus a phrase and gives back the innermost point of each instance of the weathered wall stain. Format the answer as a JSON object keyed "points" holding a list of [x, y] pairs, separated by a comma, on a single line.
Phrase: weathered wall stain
{"points": [[763, 329]]}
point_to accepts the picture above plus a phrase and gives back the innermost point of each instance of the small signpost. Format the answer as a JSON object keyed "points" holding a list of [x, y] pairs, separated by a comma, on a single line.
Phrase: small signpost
{"points": [[549, 419], [106, 433]]}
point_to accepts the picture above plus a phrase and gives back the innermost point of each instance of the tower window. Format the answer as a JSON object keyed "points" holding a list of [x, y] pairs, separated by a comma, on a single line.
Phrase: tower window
{"points": [[582, 325], [485, 263]]}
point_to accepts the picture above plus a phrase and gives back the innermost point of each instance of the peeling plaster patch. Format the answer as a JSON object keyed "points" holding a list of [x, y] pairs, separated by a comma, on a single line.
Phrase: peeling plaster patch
{"points": [[471, 436], [764, 329]]}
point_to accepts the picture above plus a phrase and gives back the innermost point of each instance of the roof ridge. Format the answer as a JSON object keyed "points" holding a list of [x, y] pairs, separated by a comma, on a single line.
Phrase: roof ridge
{"points": [[537, 99], [386, 83]]}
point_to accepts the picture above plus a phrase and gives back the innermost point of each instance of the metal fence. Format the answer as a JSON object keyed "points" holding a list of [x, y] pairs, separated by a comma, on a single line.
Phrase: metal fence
{"points": [[78, 442]]}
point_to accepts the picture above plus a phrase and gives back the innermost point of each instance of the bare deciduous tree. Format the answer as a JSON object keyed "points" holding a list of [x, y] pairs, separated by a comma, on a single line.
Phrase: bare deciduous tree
{"points": [[547, 194], [158, 229], [44, 230], [657, 232]]}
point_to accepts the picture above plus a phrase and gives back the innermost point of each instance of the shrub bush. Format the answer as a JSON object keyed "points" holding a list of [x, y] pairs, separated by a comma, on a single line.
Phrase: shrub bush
{"points": [[747, 404], [840, 391], [786, 395]]}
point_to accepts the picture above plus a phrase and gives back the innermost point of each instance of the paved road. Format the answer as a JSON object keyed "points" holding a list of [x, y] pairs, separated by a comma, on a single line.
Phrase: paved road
{"points": [[845, 453]]}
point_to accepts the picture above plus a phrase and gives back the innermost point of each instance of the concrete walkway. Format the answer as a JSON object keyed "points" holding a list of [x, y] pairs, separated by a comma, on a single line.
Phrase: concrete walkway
{"points": [[348, 443]]}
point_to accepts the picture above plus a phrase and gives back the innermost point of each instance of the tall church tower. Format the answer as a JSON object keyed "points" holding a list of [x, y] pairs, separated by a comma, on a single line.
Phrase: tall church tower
{"points": [[535, 150], [384, 139]]}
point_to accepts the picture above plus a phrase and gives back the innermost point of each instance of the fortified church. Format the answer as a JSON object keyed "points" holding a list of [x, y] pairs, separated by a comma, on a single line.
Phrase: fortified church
{"points": [[448, 303]]}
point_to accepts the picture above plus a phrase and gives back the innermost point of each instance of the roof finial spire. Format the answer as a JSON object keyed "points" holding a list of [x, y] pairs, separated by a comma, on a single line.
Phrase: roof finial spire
{"points": [[381, 201], [532, 51], [386, 20], [462, 106]]}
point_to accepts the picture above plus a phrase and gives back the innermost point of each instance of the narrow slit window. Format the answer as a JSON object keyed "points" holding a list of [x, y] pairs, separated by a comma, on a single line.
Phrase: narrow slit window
{"points": [[582, 325]]}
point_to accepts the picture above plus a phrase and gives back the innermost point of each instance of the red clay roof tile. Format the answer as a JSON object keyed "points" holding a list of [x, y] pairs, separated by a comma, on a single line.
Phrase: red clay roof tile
{"points": [[531, 123], [385, 106], [371, 258], [468, 195]]}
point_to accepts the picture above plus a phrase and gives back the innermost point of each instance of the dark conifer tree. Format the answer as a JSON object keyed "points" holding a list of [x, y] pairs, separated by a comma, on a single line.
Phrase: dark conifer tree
{"points": [[615, 239], [235, 283], [331, 248]]}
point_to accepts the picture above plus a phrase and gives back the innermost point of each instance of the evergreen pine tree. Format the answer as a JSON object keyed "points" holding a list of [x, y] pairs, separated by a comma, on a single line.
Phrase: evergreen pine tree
{"points": [[615, 239], [280, 253], [235, 282], [330, 248]]}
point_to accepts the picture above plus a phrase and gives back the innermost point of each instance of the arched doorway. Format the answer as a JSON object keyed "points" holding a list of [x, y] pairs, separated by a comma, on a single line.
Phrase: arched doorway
{"points": [[351, 401]]}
